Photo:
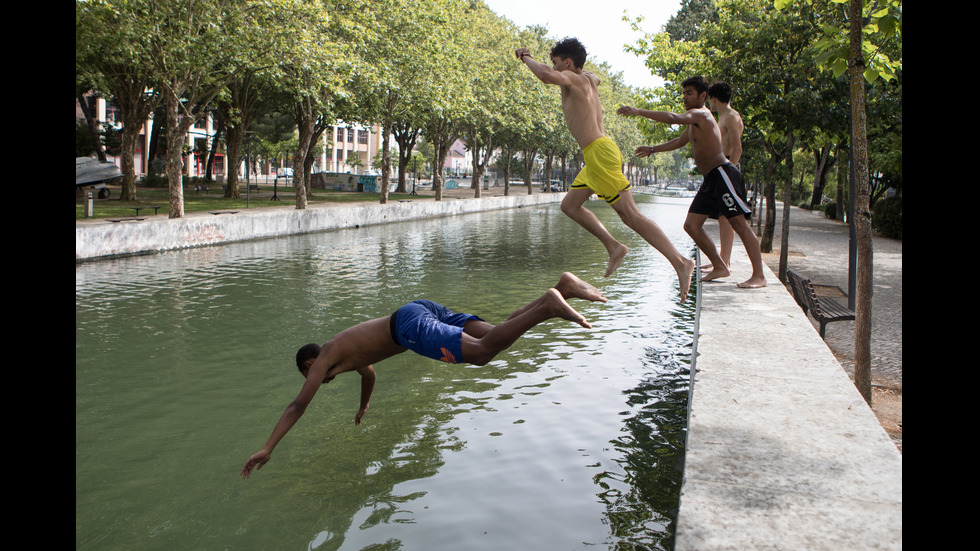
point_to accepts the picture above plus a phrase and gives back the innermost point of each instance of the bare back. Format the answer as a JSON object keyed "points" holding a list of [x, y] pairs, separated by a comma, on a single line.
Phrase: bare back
{"points": [[583, 112], [730, 123], [364, 344]]}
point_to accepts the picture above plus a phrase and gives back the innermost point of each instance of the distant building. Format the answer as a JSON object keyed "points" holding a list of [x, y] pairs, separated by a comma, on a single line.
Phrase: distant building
{"points": [[341, 145]]}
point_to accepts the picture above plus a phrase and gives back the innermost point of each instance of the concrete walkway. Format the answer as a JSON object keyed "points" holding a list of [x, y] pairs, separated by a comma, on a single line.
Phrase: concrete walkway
{"points": [[818, 249], [783, 452]]}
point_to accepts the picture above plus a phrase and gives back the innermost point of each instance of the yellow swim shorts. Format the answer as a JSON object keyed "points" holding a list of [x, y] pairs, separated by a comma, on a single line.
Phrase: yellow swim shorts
{"points": [[603, 172]]}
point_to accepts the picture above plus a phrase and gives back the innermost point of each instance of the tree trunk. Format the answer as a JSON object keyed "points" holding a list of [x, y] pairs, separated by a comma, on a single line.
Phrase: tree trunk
{"points": [[862, 208], [127, 163], [505, 168], [529, 155], [406, 137], [304, 122], [93, 127], [480, 154], [842, 178], [233, 150], [175, 140], [821, 166], [549, 159], [787, 203], [770, 192], [564, 170], [442, 140], [386, 161], [311, 154]]}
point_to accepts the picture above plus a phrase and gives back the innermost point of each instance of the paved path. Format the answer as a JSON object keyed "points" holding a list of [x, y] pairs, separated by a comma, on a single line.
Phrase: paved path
{"points": [[782, 450], [818, 249]]}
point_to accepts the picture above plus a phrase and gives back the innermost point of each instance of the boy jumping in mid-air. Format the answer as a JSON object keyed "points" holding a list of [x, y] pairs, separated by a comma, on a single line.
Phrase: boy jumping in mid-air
{"points": [[426, 328], [603, 172]]}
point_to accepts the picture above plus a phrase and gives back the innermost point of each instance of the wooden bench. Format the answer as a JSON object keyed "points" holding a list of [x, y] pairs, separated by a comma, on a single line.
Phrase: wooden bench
{"points": [[201, 187], [824, 309], [145, 207]]}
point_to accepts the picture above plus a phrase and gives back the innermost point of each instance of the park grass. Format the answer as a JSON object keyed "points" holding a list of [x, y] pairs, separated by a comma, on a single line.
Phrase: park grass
{"points": [[113, 207]]}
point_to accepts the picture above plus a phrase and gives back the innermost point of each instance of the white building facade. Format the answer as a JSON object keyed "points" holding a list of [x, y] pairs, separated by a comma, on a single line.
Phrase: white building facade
{"points": [[343, 147]]}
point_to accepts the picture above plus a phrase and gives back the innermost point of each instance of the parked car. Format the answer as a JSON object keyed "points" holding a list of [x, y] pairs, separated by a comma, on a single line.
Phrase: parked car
{"points": [[555, 186], [284, 173]]}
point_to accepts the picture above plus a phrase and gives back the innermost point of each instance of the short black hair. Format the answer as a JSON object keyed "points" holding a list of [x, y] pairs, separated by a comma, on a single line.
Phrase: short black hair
{"points": [[570, 48], [698, 82], [306, 352], [720, 91]]}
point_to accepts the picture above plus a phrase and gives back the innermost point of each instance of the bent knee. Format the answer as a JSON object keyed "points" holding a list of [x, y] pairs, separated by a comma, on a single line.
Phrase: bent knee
{"points": [[479, 360], [570, 207], [690, 226]]}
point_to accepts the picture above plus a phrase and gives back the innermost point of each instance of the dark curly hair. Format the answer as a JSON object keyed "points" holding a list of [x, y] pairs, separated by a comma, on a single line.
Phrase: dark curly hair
{"points": [[570, 48], [699, 83], [720, 91], [306, 352]]}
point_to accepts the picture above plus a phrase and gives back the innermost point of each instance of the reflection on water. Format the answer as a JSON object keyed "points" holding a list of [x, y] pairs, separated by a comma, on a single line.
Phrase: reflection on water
{"points": [[573, 438]]}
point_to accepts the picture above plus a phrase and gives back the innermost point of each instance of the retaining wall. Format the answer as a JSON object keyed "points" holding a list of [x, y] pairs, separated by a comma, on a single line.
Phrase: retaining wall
{"points": [[96, 239]]}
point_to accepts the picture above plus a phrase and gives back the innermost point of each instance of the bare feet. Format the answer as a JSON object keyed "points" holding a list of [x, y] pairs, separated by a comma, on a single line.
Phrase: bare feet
{"points": [[754, 282], [718, 273], [570, 286], [559, 308], [708, 267], [616, 258], [684, 277]]}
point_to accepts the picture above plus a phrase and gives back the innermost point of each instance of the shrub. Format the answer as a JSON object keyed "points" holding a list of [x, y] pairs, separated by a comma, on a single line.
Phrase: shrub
{"points": [[886, 217], [830, 210]]}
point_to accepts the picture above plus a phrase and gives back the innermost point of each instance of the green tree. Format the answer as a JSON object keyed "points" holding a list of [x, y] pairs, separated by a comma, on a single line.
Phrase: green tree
{"points": [[192, 51], [398, 72], [312, 69], [106, 44], [860, 49], [238, 107], [484, 112]]}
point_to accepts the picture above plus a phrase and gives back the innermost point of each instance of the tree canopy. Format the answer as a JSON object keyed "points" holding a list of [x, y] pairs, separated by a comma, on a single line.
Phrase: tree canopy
{"points": [[437, 70]]}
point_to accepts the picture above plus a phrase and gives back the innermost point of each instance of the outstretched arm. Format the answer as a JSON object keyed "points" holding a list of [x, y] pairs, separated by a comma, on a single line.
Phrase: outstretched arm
{"points": [[293, 412], [544, 73], [676, 143], [688, 117]]}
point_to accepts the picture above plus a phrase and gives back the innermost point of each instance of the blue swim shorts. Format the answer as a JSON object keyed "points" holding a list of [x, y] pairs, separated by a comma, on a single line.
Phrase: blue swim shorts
{"points": [[430, 329]]}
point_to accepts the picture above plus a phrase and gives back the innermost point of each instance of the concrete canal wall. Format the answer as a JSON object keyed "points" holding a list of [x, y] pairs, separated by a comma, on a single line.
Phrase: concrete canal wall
{"points": [[100, 238]]}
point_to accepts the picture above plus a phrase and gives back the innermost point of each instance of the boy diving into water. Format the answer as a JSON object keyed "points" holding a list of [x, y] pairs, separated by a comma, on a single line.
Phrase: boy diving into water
{"points": [[427, 328]]}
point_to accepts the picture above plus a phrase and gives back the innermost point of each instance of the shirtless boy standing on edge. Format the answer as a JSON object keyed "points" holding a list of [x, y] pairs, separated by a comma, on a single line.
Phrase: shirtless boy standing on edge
{"points": [[721, 192], [603, 172], [731, 126], [426, 328]]}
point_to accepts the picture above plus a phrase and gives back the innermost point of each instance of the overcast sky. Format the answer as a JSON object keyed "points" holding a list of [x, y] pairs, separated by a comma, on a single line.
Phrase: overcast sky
{"points": [[598, 24]]}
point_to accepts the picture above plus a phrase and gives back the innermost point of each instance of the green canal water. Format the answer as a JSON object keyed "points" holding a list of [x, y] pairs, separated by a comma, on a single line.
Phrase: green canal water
{"points": [[572, 439]]}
